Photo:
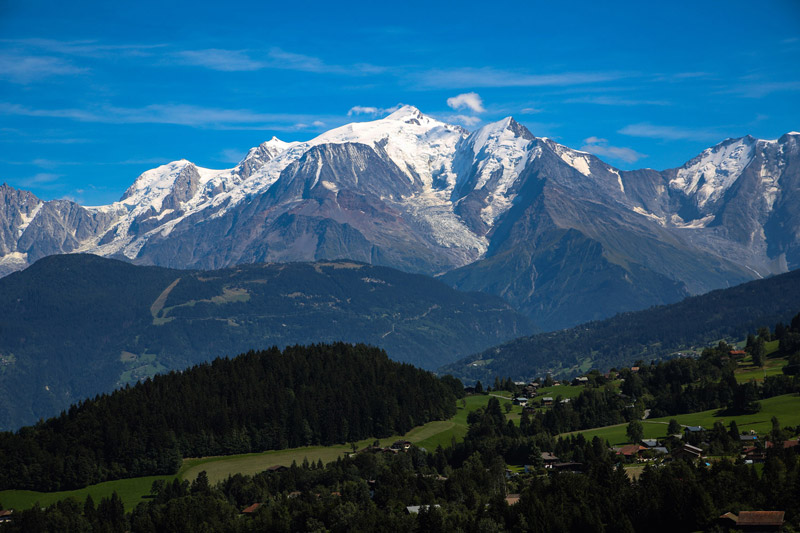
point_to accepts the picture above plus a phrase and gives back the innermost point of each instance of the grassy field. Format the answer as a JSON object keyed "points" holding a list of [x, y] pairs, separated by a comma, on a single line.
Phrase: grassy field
{"points": [[132, 491], [786, 408], [773, 366]]}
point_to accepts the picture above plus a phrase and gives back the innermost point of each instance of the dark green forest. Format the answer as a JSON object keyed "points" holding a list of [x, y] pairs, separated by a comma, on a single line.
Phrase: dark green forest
{"points": [[462, 488], [72, 326], [642, 335], [320, 394]]}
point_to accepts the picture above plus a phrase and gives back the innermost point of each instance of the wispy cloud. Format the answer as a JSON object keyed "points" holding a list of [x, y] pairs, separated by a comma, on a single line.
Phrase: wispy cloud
{"points": [[231, 155], [471, 101], [223, 60], [177, 114], [491, 77], [614, 101], [761, 89], [83, 48], [668, 133], [275, 58], [24, 69], [530, 110], [42, 180], [598, 146]]}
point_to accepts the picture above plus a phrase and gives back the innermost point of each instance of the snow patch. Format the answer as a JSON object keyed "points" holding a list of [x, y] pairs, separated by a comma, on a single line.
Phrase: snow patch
{"points": [[709, 175], [661, 220]]}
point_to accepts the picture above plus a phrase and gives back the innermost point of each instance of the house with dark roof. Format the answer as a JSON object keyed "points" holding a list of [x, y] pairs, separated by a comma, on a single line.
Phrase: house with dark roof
{"points": [[687, 452], [549, 459]]}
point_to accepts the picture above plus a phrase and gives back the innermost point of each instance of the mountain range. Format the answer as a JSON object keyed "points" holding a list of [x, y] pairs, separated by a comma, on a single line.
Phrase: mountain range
{"points": [[558, 233], [75, 325]]}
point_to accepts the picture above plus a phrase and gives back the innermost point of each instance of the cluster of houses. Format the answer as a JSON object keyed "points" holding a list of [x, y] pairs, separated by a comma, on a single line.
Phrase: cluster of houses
{"points": [[753, 450]]}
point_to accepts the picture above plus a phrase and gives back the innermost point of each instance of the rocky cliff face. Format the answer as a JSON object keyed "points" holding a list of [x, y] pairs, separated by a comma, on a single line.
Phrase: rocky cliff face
{"points": [[557, 232]]}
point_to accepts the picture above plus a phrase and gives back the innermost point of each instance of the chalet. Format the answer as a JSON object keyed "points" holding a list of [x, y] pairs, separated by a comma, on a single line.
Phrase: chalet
{"points": [[5, 515], [737, 353], [748, 439], [753, 454], [401, 445], [634, 369], [249, 510], [549, 459], [694, 430], [583, 380], [521, 401], [755, 521], [630, 451], [687, 452], [650, 443], [547, 401]]}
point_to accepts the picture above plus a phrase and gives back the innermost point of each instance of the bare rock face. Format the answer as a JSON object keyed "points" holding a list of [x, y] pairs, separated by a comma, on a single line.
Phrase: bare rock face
{"points": [[557, 232]]}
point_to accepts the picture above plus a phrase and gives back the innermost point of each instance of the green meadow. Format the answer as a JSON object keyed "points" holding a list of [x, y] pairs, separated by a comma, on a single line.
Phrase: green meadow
{"points": [[785, 407]]}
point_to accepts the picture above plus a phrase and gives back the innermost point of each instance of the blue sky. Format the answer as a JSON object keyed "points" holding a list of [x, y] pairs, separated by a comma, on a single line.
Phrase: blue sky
{"points": [[94, 93]]}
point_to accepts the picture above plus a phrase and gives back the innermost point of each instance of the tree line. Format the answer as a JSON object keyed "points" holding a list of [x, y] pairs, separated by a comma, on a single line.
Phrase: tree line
{"points": [[315, 395]]}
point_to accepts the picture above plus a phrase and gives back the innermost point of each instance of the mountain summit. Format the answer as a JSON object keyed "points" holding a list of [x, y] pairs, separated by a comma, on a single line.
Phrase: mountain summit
{"points": [[557, 232]]}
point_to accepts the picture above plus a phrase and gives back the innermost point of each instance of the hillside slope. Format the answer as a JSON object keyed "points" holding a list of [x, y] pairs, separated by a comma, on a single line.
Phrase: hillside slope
{"points": [[72, 326], [649, 334]]}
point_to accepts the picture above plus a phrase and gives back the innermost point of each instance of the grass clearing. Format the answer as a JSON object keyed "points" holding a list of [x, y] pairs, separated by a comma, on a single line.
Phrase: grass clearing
{"points": [[786, 408], [131, 491]]}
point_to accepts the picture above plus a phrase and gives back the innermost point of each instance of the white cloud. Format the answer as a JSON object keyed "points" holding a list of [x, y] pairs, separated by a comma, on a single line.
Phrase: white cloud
{"points": [[669, 133], [370, 110], [464, 120], [598, 146], [470, 101], [362, 110], [318, 124], [530, 111]]}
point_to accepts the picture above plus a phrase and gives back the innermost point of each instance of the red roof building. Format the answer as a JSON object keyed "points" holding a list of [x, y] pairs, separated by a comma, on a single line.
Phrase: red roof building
{"points": [[251, 509], [760, 520]]}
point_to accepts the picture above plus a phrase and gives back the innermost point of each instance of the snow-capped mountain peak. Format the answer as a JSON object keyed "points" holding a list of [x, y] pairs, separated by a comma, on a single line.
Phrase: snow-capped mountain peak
{"points": [[709, 175]]}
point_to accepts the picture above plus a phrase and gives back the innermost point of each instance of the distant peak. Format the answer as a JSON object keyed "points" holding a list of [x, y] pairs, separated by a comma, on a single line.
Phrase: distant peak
{"points": [[505, 124], [406, 112]]}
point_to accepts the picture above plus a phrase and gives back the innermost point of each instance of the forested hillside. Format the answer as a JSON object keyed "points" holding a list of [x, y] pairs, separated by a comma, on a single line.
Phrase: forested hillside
{"points": [[321, 394], [73, 326], [653, 333]]}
